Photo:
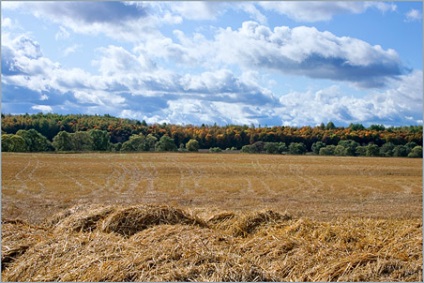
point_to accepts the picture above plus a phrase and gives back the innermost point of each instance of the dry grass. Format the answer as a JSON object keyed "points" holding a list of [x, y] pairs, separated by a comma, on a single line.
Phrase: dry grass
{"points": [[102, 217], [182, 247]]}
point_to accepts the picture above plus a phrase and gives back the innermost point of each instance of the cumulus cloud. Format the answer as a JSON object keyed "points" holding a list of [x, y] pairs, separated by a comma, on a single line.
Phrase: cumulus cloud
{"points": [[197, 10], [309, 52], [330, 104], [42, 108], [321, 11], [118, 20]]}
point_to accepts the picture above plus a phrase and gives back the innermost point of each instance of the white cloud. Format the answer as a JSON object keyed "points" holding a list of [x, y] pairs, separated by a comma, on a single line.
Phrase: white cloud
{"points": [[413, 15], [196, 10], [42, 108], [306, 11], [71, 49], [6, 22], [307, 51], [62, 34], [390, 106]]}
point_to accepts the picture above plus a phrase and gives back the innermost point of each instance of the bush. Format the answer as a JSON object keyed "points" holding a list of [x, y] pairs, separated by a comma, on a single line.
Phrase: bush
{"points": [[400, 151], [340, 150], [192, 145], [349, 147], [316, 146], [372, 150], [297, 148], [416, 152], [387, 149], [166, 144], [215, 149], [328, 150], [361, 150]]}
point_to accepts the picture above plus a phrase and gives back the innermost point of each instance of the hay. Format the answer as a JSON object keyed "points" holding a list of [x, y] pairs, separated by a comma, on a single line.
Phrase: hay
{"points": [[83, 220], [129, 221], [250, 223], [161, 243], [17, 236]]}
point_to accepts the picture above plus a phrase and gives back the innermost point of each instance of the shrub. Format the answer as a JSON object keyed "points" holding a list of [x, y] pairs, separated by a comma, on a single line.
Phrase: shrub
{"points": [[372, 150], [328, 150], [166, 144], [416, 152], [297, 148], [316, 146], [192, 145], [400, 151]]}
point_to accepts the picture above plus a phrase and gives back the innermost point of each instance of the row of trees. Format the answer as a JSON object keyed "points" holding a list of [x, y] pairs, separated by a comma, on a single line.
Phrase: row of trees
{"points": [[93, 140], [211, 136], [344, 148], [98, 140]]}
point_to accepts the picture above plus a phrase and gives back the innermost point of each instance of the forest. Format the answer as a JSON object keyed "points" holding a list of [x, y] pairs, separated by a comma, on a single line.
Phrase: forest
{"points": [[55, 132]]}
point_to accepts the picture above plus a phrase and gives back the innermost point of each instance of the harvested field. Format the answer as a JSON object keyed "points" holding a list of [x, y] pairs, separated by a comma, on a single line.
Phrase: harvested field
{"points": [[35, 186], [210, 217]]}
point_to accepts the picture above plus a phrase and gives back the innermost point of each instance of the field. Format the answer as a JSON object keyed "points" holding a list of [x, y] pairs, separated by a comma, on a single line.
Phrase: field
{"points": [[210, 217]]}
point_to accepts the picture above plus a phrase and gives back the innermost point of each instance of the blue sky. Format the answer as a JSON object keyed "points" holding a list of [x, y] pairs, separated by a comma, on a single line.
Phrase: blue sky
{"points": [[267, 63]]}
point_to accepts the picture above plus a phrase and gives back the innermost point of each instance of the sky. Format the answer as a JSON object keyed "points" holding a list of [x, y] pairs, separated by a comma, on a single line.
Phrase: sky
{"points": [[262, 63]]}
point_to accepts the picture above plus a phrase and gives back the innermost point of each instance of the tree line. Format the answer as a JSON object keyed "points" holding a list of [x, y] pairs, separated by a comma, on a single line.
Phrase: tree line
{"points": [[54, 132]]}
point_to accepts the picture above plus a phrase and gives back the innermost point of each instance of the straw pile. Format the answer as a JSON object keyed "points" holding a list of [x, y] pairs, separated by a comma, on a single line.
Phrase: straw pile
{"points": [[161, 243]]}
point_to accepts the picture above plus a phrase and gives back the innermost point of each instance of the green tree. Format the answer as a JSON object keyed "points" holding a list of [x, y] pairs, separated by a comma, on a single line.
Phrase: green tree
{"points": [[245, 149], [340, 150], [416, 152], [387, 149], [13, 143], [81, 141], [400, 151], [135, 143], [151, 141], [356, 127], [372, 150], [35, 141], [350, 147], [271, 147], [361, 150], [316, 146], [282, 147], [328, 150], [330, 126], [297, 148], [410, 146], [101, 139], [166, 144], [63, 141], [192, 145]]}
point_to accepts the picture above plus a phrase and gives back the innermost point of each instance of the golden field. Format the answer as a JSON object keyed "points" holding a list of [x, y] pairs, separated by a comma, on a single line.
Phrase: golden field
{"points": [[210, 217]]}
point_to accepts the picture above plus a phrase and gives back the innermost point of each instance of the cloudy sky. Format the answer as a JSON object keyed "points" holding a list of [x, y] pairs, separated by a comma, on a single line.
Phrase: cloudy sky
{"points": [[267, 63]]}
